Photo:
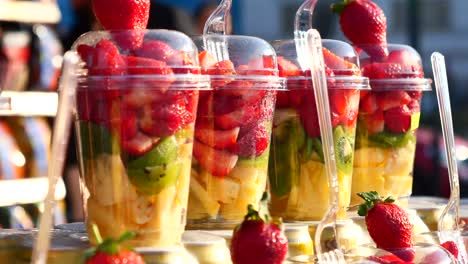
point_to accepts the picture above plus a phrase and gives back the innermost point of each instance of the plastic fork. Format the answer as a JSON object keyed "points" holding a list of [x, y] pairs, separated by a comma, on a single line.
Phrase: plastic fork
{"points": [[317, 67], [302, 23], [450, 213], [216, 25], [61, 133]]}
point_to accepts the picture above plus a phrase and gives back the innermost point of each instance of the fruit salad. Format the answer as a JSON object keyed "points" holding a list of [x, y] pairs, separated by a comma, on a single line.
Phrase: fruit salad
{"points": [[389, 115], [298, 183], [136, 112], [388, 118], [232, 134]]}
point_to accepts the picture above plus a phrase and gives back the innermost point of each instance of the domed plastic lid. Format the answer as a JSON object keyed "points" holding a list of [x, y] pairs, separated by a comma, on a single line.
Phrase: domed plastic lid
{"points": [[342, 65], [400, 69], [235, 59], [162, 55]]}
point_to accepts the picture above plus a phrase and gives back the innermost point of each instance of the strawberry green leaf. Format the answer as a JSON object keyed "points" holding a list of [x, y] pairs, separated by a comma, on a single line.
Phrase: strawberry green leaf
{"points": [[338, 7]]}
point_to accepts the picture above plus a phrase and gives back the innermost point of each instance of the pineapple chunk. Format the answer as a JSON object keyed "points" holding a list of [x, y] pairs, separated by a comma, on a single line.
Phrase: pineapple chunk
{"points": [[224, 190], [370, 157], [208, 203], [400, 161], [367, 179], [107, 180], [245, 174]]}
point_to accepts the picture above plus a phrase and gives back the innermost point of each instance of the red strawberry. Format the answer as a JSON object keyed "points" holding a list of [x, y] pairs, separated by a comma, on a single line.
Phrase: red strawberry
{"points": [[258, 239], [379, 70], [287, 68], [140, 65], [139, 144], [388, 224], [206, 59], [339, 65], [253, 143], [121, 15], [222, 71], [110, 251], [375, 122], [388, 259], [218, 139], [104, 59], [239, 117], [390, 99], [155, 49], [364, 23], [217, 162], [282, 99], [368, 103], [451, 247], [398, 119]]}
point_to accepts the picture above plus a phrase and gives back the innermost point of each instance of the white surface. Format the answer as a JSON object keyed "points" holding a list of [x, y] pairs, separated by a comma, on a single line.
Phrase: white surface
{"points": [[29, 12], [29, 103], [24, 191]]}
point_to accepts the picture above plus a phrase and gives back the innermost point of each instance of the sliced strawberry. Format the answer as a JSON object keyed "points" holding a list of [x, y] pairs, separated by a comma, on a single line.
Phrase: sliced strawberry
{"points": [[137, 98], [414, 106], [253, 143], [218, 139], [287, 68], [338, 100], [223, 71], [217, 162], [390, 99], [296, 96], [451, 247], [181, 63], [415, 94], [238, 117], [155, 49], [139, 145], [368, 103], [206, 59], [162, 119], [339, 65], [402, 57], [378, 70], [104, 59], [309, 117], [140, 65], [375, 122], [261, 66], [282, 99], [398, 119], [124, 122]]}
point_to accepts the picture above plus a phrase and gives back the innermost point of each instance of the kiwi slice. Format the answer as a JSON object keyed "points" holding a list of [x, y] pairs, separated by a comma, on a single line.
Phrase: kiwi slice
{"points": [[344, 149], [156, 169]]}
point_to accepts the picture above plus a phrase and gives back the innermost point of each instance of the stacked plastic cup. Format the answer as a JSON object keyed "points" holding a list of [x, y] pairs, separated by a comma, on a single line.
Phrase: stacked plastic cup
{"points": [[298, 183], [387, 123], [233, 127], [136, 109]]}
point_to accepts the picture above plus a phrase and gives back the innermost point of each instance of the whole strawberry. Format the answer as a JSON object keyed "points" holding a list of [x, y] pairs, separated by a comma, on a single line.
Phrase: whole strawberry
{"points": [[124, 15], [388, 224], [364, 23], [258, 240], [110, 251]]}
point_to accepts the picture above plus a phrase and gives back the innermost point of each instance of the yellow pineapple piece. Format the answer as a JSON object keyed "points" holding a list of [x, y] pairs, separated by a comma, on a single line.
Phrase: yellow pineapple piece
{"points": [[365, 180], [398, 186], [206, 202], [107, 180], [370, 157], [400, 161], [224, 190], [155, 211]]}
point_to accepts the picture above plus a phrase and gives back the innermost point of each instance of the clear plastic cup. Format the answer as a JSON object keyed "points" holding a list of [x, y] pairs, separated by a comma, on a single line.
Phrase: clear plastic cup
{"points": [[136, 110], [297, 178], [387, 123], [232, 134]]}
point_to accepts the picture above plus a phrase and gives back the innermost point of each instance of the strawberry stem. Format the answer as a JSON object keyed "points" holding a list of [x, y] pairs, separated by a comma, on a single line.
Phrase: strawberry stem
{"points": [[339, 7], [96, 234], [370, 199]]}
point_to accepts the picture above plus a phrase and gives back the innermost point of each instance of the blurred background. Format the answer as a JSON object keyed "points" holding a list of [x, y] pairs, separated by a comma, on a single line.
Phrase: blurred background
{"points": [[30, 61]]}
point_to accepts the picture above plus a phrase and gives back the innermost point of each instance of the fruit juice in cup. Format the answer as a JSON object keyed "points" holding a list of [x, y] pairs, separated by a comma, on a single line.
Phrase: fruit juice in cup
{"points": [[136, 110], [232, 133], [298, 183], [388, 118]]}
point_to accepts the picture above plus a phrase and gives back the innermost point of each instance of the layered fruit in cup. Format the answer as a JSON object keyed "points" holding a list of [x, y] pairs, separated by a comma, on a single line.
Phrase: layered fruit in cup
{"points": [[297, 179], [136, 110], [388, 118], [233, 128]]}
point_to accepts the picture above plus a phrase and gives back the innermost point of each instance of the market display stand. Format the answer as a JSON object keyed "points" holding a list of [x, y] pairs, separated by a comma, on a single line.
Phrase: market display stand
{"points": [[28, 190]]}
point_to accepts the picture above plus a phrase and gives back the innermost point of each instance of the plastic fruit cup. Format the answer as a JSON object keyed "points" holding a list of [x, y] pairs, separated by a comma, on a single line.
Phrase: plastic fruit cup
{"points": [[298, 183], [136, 111], [232, 134], [388, 118]]}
